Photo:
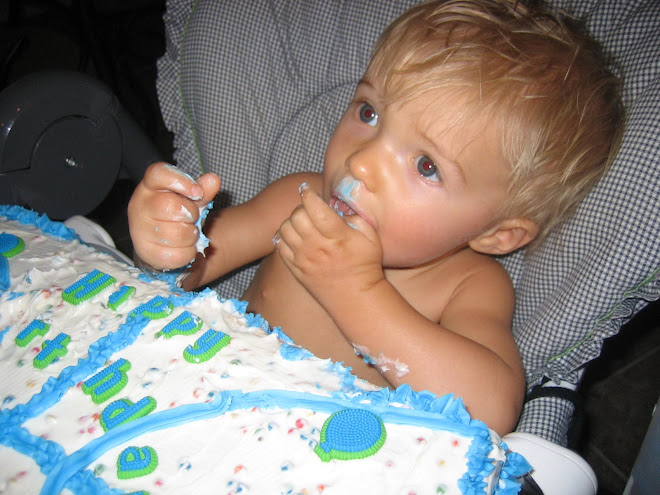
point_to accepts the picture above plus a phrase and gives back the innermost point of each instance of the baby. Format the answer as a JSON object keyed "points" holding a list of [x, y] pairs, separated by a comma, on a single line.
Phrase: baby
{"points": [[477, 127]]}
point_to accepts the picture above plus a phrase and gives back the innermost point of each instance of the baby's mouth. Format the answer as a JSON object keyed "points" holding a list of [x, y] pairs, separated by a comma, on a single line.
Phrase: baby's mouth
{"points": [[340, 206]]}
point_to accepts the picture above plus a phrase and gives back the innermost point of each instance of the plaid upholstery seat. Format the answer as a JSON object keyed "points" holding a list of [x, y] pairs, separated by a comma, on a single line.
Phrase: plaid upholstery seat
{"points": [[253, 89]]}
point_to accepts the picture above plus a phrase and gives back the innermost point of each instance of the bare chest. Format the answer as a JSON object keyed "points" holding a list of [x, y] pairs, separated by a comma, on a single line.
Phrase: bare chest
{"points": [[283, 301]]}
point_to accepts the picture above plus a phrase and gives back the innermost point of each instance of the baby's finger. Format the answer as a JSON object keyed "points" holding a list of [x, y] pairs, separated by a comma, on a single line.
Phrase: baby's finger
{"points": [[162, 176], [167, 258], [361, 225], [171, 207], [173, 234], [282, 247], [299, 223], [323, 218], [210, 184], [290, 233]]}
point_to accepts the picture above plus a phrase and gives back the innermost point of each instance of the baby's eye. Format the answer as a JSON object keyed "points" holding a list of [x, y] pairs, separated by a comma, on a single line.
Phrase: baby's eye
{"points": [[368, 115], [427, 168]]}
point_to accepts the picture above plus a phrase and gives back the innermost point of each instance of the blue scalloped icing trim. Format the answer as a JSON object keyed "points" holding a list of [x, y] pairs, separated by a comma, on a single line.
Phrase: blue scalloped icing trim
{"points": [[65, 471], [39, 220]]}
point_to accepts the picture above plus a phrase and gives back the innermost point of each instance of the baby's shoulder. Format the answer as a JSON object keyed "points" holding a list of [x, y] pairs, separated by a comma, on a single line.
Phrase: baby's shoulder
{"points": [[467, 274], [465, 280], [479, 276]]}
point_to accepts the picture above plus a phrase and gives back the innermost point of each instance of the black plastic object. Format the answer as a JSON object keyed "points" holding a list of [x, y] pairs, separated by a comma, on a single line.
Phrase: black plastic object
{"points": [[63, 139]]}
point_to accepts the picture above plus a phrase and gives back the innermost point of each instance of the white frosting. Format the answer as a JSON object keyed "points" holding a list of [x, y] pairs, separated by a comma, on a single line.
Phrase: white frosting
{"points": [[382, 362], [255, 446]]}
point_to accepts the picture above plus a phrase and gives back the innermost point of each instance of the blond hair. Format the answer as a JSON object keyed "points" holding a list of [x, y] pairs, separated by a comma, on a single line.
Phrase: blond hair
{"points": [[541, 79]]}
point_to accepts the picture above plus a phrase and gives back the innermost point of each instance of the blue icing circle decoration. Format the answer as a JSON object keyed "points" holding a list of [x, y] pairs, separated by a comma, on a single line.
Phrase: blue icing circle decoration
{"points": [[351, 434], [10, 245]]}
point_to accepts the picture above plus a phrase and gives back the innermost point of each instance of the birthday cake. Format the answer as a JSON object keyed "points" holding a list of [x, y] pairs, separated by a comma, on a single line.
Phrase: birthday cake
{"points": [[115, 382]]}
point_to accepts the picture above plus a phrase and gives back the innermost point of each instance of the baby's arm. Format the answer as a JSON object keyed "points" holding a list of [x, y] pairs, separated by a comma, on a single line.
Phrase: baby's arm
{"points": [[165, 206], [469, 351]]}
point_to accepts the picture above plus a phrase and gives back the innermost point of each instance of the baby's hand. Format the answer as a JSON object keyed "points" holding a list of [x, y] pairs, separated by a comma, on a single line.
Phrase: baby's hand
{"points": [[330, 255], [162, 215]]}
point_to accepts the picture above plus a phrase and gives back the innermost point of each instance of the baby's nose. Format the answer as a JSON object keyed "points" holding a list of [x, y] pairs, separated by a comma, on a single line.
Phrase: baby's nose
{"points": [[367, 165]]}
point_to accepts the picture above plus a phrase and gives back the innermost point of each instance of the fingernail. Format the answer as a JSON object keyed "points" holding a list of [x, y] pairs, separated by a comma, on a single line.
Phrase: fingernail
{"points": [[276, 239], [303, 187], [185, 214], [199, 195], [352, 226], [179, 185]]}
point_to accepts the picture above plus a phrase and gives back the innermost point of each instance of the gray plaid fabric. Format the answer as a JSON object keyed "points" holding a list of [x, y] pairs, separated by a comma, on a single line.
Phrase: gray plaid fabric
{"points": [[540, 413], [252, 90]]}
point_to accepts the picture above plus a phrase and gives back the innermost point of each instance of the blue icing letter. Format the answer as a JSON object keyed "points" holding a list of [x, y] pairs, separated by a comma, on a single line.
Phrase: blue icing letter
{"points": [[158, 307], [10, 245], [205, 347], [119, 297], [123, 410], [351, 434], [51, 350], [87, 287], [184, 324], [107, 382], [36, 327], [136, 461]]}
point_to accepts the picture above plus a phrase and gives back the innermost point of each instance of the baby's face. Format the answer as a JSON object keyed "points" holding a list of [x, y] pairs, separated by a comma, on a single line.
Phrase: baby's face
{"points": [[424, 182]]}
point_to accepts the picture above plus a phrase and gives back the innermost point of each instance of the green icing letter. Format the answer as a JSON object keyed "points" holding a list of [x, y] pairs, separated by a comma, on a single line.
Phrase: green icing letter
{"points": [[36, 327], [123, 410], [205, 347], [184, 324], [134, 462], [107, 382], [51, 350], [155, 309], [119, 297], [87, 287]]}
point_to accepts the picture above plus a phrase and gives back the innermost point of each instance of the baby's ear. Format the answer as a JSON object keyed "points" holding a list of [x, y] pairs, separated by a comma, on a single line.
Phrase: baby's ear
{"points": [[506, 236]]}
